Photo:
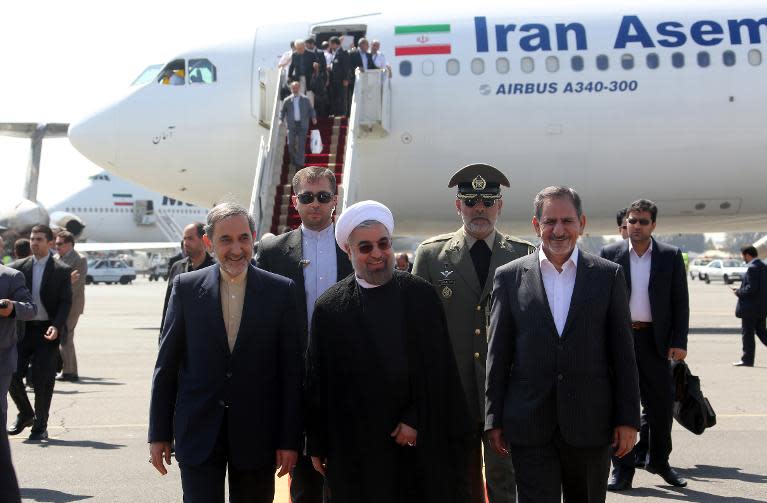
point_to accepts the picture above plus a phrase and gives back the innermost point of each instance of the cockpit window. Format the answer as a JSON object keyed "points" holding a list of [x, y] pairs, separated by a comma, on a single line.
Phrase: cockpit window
{"points": [[148, 75], [173, 74], [201, 71]]}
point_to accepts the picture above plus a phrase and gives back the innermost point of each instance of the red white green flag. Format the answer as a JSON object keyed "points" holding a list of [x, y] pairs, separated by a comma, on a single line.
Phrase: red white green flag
{"points": [[422, 39]]}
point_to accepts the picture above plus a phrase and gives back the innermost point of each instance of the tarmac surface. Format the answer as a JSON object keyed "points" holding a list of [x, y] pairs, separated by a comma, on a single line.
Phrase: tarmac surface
{"points": [[97, 450]]}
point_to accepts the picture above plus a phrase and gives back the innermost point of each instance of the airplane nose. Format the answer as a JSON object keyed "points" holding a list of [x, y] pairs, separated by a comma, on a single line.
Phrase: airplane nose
{"points": [[95, 136]]}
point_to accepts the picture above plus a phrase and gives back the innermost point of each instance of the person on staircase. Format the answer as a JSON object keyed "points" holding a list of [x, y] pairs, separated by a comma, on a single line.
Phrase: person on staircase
{"points": [[295, 113]]}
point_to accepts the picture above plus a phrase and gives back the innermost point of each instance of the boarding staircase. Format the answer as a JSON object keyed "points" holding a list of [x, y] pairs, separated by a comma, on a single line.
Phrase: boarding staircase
{"points": [[168, 226], [271, 204]]}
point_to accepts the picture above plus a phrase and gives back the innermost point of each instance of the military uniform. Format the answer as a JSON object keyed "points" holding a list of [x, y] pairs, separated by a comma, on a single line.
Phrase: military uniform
{"points": [[445, 261]]}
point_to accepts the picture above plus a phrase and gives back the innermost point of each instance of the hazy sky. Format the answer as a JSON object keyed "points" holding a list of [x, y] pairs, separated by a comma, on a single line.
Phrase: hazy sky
{"points": [[62, 60]]}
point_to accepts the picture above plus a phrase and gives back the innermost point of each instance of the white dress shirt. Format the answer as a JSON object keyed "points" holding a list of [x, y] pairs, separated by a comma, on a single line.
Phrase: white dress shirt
{"points": [[559, 286], [320, 265], [379, 60], [639, 303], [297, 108], [38, 269]]}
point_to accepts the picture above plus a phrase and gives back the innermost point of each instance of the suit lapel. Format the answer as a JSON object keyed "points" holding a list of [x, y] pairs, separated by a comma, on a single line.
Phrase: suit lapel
{"points": [[459, 255], [533, 282], [654, 259], [580, 290], [295, 252], [212, 287], [624, 260]]}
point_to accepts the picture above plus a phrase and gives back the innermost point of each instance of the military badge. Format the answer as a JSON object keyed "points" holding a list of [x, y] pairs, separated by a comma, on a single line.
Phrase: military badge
{"points": [[447, 292], [478, 183]]}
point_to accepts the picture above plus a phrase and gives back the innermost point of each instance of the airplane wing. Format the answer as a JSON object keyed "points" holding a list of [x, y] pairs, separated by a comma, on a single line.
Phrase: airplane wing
{"points": [[95, 247], [28, 129]]}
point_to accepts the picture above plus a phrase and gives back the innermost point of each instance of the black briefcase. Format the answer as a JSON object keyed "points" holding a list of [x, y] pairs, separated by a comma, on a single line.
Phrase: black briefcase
{"points": [[691, 409]]}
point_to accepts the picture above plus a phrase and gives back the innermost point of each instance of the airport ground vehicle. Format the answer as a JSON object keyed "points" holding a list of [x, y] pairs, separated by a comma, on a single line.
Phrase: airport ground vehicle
{"points": [[696, 265], [109, 271], [727, 270]]}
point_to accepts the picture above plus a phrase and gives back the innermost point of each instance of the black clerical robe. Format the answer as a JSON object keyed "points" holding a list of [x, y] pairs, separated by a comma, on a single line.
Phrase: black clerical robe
{"points": [[376, 358]]}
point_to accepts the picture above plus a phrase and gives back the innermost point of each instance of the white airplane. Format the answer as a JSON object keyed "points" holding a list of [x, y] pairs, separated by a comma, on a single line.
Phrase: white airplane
{"points": [[111, 210], [662, 100]]}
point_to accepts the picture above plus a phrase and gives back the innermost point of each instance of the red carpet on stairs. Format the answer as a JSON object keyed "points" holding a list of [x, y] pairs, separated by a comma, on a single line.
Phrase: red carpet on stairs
{"points": [[333, 132]]}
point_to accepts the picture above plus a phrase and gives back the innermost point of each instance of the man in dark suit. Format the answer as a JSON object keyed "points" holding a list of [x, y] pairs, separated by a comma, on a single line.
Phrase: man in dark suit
{"points": [[311, 258], [340, 73], [296, 112], [301, 68], [227, 382], [195, 257], [318, 80], [660, 316], [51, 285], [362, 59], [561, 375], [752, 305]]}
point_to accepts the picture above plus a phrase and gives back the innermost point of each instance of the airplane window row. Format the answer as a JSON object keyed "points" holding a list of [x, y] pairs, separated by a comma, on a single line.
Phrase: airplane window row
{"points": [[703, 59], [185, 211]]}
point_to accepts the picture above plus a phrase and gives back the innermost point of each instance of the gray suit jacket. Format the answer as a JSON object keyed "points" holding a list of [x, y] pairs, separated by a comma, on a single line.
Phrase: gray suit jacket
{"points": [[584, 383], [306, 108], [13, 288], [79, 263], [283, 255]]}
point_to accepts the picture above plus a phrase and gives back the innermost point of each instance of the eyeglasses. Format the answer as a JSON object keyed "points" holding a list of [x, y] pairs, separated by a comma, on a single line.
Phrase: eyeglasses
{"points": [[60, 243], [472, 202], [366, 246], [323, 197], [640, 221], [624, 227]]}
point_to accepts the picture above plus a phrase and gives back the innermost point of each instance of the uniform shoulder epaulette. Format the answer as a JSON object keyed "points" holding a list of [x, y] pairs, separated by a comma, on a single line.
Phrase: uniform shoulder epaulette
{"points": [[519, 241], [437, 239]]}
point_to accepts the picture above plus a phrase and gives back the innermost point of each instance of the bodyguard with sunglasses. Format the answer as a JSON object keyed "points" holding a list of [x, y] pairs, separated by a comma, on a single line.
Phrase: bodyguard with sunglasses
{"points": [[660, 314], [461, 266], [310, 257]]}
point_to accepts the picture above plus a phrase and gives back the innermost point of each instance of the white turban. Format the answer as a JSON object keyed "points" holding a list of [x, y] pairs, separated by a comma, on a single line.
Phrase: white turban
{"points": [[362, 212]]}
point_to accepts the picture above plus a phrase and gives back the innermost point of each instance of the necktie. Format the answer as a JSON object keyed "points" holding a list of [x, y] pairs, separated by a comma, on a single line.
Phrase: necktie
{"points": [[480, 255]]}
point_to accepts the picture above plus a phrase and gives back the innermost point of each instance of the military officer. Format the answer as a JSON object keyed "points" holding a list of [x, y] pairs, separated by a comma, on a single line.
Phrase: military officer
{"points": [[461, 266]]}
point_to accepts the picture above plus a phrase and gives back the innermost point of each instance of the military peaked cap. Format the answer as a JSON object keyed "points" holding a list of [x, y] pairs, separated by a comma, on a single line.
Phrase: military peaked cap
{"points": [[479, 179]]}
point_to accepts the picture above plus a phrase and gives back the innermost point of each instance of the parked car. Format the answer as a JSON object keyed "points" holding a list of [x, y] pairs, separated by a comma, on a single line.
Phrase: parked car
{"points": [[696, 265], [157, 271], [727, 270], [109, 271]]}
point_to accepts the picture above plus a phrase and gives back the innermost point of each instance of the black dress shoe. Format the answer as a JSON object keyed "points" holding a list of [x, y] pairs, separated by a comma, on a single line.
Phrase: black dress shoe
{"points": [[68, 377], [670, 475], [617, 483], [742, 364], [19, 425], [36, 436]]}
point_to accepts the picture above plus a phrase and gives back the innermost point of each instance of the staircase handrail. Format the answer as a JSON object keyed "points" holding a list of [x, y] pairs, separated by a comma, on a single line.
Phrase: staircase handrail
{"points": [[349, 179]]}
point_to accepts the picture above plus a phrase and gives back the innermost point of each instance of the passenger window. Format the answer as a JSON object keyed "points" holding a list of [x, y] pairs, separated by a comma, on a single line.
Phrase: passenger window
{"points": [[728, 58], [202, 71], [677, 60], [502, 65], [427, 68], [603, 63], [704, 59], [173, 73], [405, 68], [552, 64], [627, 61], [755, 57], [453, 66], [577, 63], [653, 61], [527, 64], [477, 66]]}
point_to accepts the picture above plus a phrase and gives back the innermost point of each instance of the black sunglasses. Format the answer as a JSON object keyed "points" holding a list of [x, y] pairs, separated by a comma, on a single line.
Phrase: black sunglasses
{"points": [[323, 197], [474, 200], [367, 247], [640, 221]]}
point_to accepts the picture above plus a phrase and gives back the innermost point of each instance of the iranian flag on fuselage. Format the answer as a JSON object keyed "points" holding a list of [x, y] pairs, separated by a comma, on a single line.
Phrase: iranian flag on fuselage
{"points": [[422, 39]]}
